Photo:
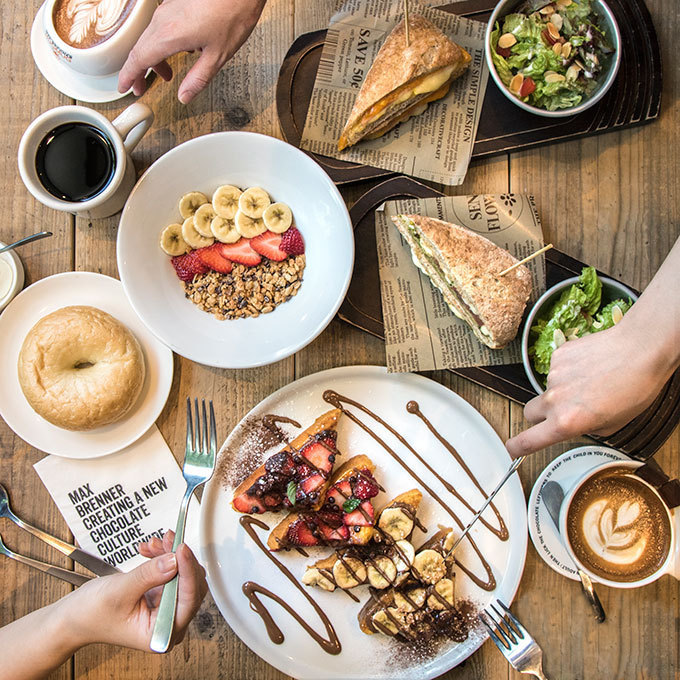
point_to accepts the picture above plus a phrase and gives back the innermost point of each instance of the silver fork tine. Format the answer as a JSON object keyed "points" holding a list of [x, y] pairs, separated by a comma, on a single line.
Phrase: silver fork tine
{"points": [[522, 631], [499, 643], [204, 443], [197, 439], [213, 431], [190, 427], [503, 624]]}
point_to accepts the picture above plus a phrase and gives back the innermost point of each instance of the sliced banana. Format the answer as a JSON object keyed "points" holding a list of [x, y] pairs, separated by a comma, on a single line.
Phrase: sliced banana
{"points": [[225, 201], [202, 219], [429, 566], [410, 600], [449, 541], [224, 230], [403, 555], [190, 203], [381, 572], [346, 578], [172, 241], [313, 577], [444, 588], [395, 523], [277, 217], [253, 202], [385, 622], [247, 226], [192, 237]]}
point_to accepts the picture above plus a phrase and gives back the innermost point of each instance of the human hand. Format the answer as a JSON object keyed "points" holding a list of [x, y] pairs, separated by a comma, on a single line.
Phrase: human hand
{"points": [[215, 28], [596, 385], [121, 609]]}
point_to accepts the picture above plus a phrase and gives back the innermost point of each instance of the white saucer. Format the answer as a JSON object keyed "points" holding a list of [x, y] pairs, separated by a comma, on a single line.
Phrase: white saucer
{"points": [[93, 89], [11, 260], [564, 470], [48, 295]]}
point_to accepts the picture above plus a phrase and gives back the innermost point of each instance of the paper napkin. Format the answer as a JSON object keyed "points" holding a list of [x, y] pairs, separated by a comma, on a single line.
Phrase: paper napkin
{"points": [[113, 503]]}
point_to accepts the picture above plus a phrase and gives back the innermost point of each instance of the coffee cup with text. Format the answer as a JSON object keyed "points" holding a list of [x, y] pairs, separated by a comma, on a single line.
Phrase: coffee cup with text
{"points": [[74, 159], [618, 528], [95, 37]]}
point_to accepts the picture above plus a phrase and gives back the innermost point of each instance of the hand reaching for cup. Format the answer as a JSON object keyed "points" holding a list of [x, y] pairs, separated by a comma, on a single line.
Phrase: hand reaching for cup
{"points": [[215, 28]]}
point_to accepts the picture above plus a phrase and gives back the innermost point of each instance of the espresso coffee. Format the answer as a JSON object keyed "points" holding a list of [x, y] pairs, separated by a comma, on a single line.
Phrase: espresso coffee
{"points": [[618, 527], [75, 161], [86, 23]]}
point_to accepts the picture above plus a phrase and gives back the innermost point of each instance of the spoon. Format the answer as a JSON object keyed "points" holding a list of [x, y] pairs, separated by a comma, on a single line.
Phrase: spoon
{"points": [[63, 574], [27, 239]]}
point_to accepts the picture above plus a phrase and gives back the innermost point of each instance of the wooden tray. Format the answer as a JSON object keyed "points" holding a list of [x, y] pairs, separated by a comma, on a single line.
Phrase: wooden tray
{"points": [[641, 438], [634, 98]]}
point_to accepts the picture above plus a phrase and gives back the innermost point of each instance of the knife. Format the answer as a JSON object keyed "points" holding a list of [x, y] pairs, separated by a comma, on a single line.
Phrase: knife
{"points": [[553, 495]]}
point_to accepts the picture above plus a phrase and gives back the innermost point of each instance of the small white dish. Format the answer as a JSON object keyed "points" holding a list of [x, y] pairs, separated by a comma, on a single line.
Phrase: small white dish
{"points": [[244, 159], [92, 89], [564, 470], [48, 295], [11, 276]]}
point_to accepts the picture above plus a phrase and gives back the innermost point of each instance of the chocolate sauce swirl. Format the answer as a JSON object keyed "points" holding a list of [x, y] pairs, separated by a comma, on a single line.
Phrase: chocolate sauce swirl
{"points": [[331, 645], [338, 401]]}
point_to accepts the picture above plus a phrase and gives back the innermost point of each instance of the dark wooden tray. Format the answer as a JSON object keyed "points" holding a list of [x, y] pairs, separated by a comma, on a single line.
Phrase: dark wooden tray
{"points": [[634, 98], [641, 438]]}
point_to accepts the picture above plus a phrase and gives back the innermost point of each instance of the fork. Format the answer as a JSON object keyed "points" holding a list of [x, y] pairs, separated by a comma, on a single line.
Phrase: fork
{"points": [[199, 464], [512, 638]]}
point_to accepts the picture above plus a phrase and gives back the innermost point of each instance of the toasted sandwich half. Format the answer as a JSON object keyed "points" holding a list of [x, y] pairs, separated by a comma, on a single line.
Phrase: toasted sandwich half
{"points": [[403, 80], [464, 266]]}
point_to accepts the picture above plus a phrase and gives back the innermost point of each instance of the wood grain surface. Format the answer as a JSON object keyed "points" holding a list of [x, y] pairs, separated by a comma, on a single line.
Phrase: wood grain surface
{"points": [[612, 200]]}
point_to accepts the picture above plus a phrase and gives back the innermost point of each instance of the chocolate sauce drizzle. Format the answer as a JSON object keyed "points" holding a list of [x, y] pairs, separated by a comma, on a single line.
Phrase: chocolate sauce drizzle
{"points": [[502, 532], [338, 401], [331, 645]]}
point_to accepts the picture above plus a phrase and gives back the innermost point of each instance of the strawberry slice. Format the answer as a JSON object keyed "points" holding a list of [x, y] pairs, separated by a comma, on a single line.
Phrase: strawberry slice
{"points": [[339, 493], [188, 265], [503, 51], [267, 245], [308, 486], [291, 242], [249, 504], [528, 86], [331, 535], [320, 455], [240, 252], [210, 256], [365, 486], [361, 517], [301, 534]]}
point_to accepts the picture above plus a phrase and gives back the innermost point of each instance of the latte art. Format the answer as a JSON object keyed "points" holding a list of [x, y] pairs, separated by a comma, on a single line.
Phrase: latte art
{"points": [[612, 533], [85, 23], [618, 527]]}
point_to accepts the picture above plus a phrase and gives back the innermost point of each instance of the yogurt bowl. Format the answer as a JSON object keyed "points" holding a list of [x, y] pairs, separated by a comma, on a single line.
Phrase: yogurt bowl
{"points": [[11, 276]]}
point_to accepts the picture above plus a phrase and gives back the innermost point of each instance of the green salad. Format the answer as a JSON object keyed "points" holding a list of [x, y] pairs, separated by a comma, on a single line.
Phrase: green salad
{"points": [[578, 312], [552, 57]]}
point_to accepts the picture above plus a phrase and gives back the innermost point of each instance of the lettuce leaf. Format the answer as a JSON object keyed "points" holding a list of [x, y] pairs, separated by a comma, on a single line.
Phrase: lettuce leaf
{"points": [[522, 27], [577, 11], [604, 318], [591, 285], [502, 68]]}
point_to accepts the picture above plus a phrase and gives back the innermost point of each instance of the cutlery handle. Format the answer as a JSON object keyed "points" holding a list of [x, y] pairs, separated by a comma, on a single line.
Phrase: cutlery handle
{"points": [[24, 241], [57, 543], [165, 618], [591, 595], [63, 574]]}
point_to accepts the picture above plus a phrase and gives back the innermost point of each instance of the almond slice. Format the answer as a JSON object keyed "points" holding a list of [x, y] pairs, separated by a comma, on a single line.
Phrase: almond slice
{"points": [[552, 77], [553, 31], [556, 20], [506, 40], [516, 83], [558, 337], [572, 72], [617, 314], [566, 50], [547, 10], [557, 49]]}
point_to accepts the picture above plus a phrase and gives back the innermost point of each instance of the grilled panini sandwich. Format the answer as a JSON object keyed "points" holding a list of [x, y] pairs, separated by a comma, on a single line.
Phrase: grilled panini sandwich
{"points": [[403, 80], [464, 267]]}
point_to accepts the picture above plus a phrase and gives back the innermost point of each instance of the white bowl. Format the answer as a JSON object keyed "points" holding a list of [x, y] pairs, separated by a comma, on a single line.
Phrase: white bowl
{"points": [[505, 7], [243, 159], [10, 265], [611, 290]]}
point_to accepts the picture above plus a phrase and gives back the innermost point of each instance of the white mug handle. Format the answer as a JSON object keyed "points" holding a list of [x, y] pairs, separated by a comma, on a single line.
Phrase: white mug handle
{"points": [[133, 124]]}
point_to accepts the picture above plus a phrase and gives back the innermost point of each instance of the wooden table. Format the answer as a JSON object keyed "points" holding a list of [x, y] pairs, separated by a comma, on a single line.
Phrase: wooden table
{"points": [[612, 200]]}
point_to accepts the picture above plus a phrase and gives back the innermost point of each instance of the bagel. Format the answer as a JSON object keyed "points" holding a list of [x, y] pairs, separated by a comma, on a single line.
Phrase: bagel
{"points": [[79, 368]]}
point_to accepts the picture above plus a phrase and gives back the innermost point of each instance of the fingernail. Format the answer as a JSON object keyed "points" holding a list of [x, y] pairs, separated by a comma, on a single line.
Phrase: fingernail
{"points": [[167, 563]]}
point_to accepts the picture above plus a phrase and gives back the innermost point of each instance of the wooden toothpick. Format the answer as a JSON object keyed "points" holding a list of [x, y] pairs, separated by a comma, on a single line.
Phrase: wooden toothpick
{"points": [[406, 24], [526, 259]]}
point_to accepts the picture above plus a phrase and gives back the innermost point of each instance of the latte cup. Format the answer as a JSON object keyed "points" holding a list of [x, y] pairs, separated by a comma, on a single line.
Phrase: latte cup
{"points": [[123, 134], [668, 565], [119, 37]]}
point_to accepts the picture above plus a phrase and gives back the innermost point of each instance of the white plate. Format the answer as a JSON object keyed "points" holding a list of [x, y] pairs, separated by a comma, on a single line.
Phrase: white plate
{"points": [[564, 470], [93, 89], [48, 295], [231, 558], [244, 159]]}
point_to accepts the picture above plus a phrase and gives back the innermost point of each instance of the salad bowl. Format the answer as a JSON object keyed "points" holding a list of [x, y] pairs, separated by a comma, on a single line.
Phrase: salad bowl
{"points": [[539, 62]]}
